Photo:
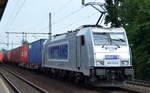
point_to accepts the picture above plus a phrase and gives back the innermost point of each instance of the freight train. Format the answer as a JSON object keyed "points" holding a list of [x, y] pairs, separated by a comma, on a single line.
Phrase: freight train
{"points": [[90, 53], [27, 55]]}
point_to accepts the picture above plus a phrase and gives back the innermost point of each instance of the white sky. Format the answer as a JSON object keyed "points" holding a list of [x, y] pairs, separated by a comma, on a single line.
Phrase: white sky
{"points": [[33, 16]]}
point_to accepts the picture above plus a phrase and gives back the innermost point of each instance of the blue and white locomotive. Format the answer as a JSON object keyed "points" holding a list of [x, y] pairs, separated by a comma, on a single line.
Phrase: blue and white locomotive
{"points": [[90, 52]]}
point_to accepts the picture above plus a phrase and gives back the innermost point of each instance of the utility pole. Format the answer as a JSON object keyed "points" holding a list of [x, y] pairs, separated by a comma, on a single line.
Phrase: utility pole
{"points": [[50, 27], [7, 40], [12, 45]]}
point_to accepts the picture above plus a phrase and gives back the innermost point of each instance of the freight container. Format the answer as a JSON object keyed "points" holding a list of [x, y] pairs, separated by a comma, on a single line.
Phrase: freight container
{"points": [[24, 54], [35, 52], [1, 57], [15, 55], [12, 55], [5, 59], [8, 56]]}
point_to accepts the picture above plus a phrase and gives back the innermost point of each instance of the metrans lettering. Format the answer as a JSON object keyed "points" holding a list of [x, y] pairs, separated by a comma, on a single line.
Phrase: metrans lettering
{"points": [[58, 52]]}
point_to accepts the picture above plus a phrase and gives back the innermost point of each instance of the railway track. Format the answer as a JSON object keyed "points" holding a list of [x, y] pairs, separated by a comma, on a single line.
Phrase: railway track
{"points": [[139, 83], [136, 86], [115, 90], [18, 83]]}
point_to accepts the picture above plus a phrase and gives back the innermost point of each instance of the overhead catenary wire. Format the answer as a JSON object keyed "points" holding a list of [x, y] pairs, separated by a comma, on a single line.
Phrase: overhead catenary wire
{"points": [[81, 20], [46, 26], [62, 7], [67, 16], [57, 21], [10, 16], [16, 14], [63, 18]]}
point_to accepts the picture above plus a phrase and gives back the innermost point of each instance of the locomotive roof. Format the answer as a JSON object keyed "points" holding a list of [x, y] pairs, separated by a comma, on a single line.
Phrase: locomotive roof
{"points": [[95, 28]]}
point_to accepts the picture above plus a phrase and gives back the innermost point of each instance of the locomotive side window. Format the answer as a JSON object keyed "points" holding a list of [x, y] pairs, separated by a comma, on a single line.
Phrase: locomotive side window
{"points": [[82, 40]]}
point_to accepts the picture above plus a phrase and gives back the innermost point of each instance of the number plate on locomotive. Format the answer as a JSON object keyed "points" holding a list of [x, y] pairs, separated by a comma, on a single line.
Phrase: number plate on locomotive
{"points": [[112, 62]]}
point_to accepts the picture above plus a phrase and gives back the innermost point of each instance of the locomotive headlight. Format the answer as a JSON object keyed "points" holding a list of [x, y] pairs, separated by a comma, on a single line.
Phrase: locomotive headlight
{"points": [[100, 62], [125, 62]]}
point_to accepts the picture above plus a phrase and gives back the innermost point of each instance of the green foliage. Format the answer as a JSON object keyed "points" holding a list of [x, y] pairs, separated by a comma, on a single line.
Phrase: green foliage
{"points": [[113, 13], [135, 17], [24, 42]]}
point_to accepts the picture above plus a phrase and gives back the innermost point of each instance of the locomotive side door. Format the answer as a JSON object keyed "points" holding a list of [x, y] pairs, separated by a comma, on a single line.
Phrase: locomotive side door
{"points": [[80, 43]]}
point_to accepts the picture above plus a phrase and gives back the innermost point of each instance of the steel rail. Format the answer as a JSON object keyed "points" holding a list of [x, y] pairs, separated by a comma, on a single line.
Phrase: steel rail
{"points": [[27, 81], [109, 89], [11, 84], [142, 81], [128, 90], [139, 83]]}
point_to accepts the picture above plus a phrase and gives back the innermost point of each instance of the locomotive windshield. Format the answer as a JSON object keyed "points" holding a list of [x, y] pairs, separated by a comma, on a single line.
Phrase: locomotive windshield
{"points": [[109, 39]]}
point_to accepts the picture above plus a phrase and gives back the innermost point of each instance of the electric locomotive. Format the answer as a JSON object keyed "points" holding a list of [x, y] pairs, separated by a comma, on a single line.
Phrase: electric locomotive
{"points": [[90, 52]]}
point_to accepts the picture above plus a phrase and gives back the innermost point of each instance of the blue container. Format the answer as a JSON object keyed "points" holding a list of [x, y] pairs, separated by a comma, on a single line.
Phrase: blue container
{"points": [[35, 52]]}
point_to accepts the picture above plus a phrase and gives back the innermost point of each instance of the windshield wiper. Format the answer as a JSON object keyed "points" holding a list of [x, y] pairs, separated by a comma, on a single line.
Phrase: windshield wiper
{"points": [[109, 40], [117, 45], [119, 39], [104, 44], [114, 42], [122, 40]]}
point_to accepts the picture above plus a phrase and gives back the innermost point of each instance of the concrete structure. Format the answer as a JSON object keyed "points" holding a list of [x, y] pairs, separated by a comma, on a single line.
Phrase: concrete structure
{"points": [[3, 87], [3, 4]]}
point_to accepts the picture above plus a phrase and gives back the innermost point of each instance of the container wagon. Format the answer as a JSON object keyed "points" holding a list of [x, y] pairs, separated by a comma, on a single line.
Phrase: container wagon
{"points": [[35, 54], [23, 55]]}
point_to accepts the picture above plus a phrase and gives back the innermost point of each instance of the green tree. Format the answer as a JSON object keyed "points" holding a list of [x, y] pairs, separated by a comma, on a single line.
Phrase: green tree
{"points": [[134, 16], [112, 7], [24, 42]]}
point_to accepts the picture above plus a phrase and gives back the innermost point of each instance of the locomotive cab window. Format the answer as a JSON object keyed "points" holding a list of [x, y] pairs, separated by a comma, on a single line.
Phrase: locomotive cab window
{"points": [[109, 38], [82, 40]]}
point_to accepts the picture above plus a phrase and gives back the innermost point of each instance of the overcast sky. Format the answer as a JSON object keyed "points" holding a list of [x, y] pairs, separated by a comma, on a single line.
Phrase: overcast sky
{"points": [[33, 16]]}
